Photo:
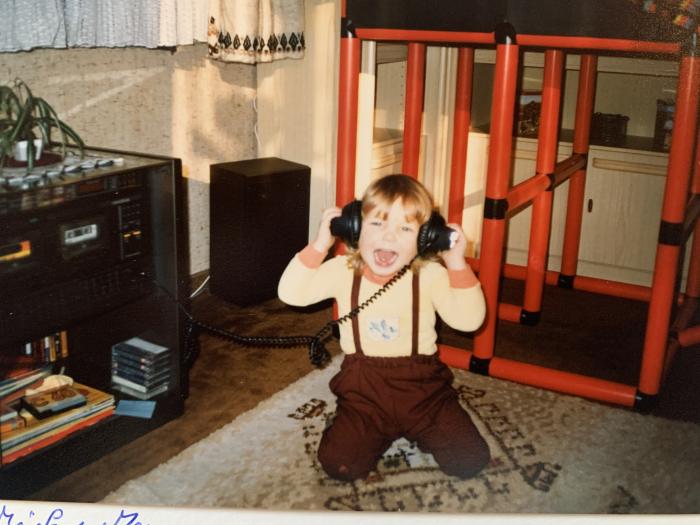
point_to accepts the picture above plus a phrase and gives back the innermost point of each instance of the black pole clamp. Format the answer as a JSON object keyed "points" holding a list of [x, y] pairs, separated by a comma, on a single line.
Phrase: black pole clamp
{"points": [[505, 34], [347, 28]]}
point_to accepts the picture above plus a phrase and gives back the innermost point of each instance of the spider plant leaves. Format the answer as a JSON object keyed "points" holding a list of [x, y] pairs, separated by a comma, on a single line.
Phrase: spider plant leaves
{"points": [[24, 116]]}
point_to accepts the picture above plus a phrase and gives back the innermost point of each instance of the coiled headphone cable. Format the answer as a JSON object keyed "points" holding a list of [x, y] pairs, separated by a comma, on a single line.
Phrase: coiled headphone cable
{"points": [[318, 354]]}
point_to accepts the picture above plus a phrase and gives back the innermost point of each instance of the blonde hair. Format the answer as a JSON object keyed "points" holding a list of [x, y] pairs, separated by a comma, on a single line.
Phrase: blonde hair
{"points": [[383, 192]]}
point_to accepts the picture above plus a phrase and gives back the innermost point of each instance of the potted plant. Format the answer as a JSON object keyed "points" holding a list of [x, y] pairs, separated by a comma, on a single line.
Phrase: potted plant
{"points": [[27, 123]]}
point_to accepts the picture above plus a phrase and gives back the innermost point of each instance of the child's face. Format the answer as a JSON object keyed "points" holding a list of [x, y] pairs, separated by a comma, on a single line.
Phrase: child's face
{"points": [[388, 241]]}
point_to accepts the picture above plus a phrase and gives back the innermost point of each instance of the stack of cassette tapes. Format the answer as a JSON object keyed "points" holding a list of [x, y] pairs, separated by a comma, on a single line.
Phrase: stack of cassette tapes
{"points": [[140, 368]]}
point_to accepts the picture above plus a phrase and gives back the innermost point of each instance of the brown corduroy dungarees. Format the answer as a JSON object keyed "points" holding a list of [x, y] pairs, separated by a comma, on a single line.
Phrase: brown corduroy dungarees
{"points": [[381, 399]]}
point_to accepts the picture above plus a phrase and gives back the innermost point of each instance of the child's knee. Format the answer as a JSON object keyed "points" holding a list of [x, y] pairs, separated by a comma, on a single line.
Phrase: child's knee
{"points": [[340, 466], [467, 463]]}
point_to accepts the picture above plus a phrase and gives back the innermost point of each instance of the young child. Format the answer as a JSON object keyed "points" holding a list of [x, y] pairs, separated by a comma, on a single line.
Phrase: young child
{"points": [[391, 383]]}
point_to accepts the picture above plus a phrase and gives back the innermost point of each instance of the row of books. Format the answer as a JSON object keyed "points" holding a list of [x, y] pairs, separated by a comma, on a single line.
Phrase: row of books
{"points": [[41, 427], [29, 364], [49, 348]]}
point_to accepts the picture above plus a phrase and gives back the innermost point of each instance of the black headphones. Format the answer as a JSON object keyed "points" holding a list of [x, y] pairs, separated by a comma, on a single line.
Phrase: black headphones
{"points": [[434, 236]]}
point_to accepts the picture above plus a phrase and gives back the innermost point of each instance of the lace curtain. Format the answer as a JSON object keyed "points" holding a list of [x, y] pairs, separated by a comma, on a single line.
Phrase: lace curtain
{"points": [[236, 30], [29, 24]]}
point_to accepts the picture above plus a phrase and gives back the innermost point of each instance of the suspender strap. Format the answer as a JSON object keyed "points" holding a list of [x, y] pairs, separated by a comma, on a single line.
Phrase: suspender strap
{"points": [[415, 316], [354, 301]]}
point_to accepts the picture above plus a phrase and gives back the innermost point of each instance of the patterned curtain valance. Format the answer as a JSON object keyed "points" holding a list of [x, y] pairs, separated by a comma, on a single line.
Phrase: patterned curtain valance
{"points": [[252, 31]]}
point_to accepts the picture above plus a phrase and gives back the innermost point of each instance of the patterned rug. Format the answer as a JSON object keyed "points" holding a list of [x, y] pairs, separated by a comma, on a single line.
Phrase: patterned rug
{"points": [[551, 453]]}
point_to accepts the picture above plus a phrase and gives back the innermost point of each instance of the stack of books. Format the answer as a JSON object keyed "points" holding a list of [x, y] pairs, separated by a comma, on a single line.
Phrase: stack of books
{"points": [[71, 408], [140, 368], [17, 378]]}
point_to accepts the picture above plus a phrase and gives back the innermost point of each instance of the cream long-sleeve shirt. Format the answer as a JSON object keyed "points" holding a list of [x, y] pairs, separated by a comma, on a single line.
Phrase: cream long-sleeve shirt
{"points": [[386, 324]]}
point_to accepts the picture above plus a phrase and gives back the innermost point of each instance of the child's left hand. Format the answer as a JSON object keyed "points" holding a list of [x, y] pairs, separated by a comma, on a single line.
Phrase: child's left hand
{"points": [[454, 257]]}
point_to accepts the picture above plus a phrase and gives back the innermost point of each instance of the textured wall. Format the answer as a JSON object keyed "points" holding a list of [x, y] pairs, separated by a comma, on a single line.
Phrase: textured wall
{"points": [[297, 105], [153, 101]]}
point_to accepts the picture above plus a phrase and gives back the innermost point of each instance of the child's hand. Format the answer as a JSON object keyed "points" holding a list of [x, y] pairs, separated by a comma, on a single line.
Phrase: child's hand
{"points": [[454, 257], [324, 239]]}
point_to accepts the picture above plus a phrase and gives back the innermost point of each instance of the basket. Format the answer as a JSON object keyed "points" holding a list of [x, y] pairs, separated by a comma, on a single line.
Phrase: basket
{"points": [[608, 128]]}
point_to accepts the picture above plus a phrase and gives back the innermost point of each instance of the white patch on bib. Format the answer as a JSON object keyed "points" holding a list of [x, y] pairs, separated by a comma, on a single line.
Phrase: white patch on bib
{"points": [[384, 329]]}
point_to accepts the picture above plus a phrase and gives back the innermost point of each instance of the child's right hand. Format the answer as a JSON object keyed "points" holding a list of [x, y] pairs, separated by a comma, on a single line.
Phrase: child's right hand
{"points": [[324, 239]]}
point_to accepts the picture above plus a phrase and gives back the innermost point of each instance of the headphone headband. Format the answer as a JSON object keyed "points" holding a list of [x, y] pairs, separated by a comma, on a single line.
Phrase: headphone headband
{"points": [[434, 236]]}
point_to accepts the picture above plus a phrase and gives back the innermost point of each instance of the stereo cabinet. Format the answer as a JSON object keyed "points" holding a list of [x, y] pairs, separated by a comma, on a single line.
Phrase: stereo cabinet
{"points": [[101, 255]]}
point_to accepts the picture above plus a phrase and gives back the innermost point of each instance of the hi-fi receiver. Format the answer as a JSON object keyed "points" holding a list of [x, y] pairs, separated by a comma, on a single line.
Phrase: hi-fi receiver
{"points": [[72, 239]]}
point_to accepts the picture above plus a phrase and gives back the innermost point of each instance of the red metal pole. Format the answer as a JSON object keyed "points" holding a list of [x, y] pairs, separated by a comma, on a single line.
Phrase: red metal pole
{"points": [[684, 316], [566, 168], [692, 287], [524, 192], [604, 44], [612, 288], [689, 336], [542, 205], [542, 41], [577, 183], [498, 177], [350, 53], [509, 312], [460, 136], [695, 184], [585, 284], [566, 382], [413, 111], [416, 35], [672, 215]]}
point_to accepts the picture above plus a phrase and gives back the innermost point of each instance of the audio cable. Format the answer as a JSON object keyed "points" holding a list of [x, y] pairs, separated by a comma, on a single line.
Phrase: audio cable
{"points": [[318, 354]]}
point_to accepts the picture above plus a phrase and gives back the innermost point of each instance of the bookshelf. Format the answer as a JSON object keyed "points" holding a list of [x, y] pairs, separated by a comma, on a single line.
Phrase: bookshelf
{"points": [[99, 254]]}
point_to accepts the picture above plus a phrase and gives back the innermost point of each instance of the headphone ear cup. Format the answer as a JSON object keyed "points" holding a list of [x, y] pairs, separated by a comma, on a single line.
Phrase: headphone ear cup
{"points": [[434, 235], [424, 237], [348, 225]]}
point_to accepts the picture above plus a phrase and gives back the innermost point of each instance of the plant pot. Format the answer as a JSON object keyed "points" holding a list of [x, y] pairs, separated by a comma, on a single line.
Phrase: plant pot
{"points": [[20, 151]]}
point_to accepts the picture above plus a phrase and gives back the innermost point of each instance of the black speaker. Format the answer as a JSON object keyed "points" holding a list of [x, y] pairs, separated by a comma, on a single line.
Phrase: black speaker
{"points": [[259, 218]]}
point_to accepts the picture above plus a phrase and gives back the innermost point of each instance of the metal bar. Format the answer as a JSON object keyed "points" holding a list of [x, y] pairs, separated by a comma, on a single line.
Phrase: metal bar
{"points": [[460, 135], [577, 183], [540, 225], [523, 192], [350, 53], [601, 44], [565, 169], [583, 283], [413, 110], [542, 377], [413, 35], [692, 288], [493, 228], [673, 211], [689, 336], [549, 42]]}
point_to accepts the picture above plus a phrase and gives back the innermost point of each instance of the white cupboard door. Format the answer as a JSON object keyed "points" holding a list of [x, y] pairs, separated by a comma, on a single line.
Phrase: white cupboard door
{"points": [[621, 216]]}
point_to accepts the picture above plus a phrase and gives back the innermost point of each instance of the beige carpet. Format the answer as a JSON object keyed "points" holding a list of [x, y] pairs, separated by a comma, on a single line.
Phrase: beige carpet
{"points": [[551, 453]]}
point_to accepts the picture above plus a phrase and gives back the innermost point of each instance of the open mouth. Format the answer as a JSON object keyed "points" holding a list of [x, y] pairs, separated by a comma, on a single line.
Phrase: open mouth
{"points": [[385, 258]]}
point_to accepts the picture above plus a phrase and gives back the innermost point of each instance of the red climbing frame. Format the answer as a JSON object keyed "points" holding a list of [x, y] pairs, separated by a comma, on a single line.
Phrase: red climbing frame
{"points": [[589, 33]]}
